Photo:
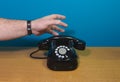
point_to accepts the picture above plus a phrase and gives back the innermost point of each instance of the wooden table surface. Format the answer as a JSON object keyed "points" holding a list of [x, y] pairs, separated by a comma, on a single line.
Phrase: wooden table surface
{"points": [[96, 64]]}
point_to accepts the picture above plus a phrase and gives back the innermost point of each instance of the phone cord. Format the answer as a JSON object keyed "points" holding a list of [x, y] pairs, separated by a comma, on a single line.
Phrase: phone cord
{"points": [[31, 55]]}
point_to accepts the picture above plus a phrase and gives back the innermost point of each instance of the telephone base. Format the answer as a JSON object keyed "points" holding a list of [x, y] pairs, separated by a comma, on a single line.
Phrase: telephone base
{"points": [[62, 65]]}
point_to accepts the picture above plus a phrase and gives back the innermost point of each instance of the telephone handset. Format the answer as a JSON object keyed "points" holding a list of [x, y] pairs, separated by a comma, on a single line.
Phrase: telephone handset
{"points": [[61, 55]]}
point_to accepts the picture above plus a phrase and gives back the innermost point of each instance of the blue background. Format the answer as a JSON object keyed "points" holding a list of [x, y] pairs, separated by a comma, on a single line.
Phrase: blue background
{"points": [[95, 21]]}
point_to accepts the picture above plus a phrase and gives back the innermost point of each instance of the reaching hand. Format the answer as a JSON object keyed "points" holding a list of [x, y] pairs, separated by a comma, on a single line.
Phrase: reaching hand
{"points": [[48, 24]]}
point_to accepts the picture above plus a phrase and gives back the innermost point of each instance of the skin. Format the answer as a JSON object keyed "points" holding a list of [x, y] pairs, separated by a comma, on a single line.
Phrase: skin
{"points": [[12, 29]]}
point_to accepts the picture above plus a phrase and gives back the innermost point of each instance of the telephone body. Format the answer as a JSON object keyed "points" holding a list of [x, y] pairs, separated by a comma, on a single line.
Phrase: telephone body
{"points": [[61, 55]]}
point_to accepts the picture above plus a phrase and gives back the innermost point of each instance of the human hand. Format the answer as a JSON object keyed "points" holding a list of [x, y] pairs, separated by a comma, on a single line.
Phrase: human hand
{"points": [[48, 24]]}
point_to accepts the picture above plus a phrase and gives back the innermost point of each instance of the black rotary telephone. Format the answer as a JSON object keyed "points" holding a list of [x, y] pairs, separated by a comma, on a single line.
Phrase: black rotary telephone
{"points": [[61, 55]]}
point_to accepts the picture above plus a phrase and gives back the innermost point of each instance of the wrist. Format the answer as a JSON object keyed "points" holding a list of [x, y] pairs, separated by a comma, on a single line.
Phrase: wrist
{"points": [[29, 27]]}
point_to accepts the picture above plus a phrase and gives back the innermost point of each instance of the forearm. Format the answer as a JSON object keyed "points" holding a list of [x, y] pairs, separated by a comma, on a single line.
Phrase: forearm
{"points": [[11, 29]]}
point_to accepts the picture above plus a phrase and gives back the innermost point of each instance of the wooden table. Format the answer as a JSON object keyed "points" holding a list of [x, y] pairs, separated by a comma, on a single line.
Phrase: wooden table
{"points": [[96, 64]]}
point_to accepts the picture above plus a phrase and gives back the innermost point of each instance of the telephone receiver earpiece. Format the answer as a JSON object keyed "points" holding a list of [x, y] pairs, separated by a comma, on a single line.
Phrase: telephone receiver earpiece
{"points": [[44, 45], [79, 44]]}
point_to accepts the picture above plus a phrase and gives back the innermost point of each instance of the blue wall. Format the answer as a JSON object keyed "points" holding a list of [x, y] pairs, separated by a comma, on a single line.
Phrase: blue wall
{"points": [[95, 21]]}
